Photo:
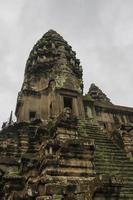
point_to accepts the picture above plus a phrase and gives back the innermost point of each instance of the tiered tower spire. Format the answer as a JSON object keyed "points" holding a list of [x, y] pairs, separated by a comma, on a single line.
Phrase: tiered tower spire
{"points": [[52, 74]]}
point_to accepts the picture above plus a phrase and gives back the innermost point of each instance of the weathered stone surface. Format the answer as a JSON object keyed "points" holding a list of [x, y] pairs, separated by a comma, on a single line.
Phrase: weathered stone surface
{"points": [[64, 146]]}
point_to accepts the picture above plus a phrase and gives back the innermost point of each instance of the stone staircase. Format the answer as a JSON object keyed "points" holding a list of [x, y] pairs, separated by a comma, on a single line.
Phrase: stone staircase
{"points": [[23, 140], [109, 159], [28, 141]]}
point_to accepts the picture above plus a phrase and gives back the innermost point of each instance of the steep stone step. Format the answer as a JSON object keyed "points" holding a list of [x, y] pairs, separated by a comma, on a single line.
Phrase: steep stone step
{"points": [[109, 159]]}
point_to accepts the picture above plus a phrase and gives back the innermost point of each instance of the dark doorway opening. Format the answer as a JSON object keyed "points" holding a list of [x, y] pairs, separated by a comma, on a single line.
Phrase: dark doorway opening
{"points": [[32, 115], [67, 102], [51, 110]]}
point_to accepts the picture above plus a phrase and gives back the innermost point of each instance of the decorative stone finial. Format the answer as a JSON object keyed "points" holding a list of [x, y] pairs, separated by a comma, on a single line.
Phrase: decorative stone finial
{"points": [[96, 94]]}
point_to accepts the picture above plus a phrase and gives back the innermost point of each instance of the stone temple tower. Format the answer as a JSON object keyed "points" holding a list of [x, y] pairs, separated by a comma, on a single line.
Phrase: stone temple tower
{"points": [[64, 145], [52, 81]]}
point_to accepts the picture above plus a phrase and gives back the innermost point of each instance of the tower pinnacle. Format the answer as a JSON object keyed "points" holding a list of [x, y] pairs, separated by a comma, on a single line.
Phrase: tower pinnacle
{"points": [[52, 67]]}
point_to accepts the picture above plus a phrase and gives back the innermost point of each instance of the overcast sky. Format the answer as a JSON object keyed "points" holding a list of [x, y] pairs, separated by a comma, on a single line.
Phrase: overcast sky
{"points": [[100, 31]]}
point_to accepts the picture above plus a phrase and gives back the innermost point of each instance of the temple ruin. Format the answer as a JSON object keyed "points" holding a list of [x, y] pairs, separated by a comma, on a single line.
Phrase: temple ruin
{"points": [[64, 145]]}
